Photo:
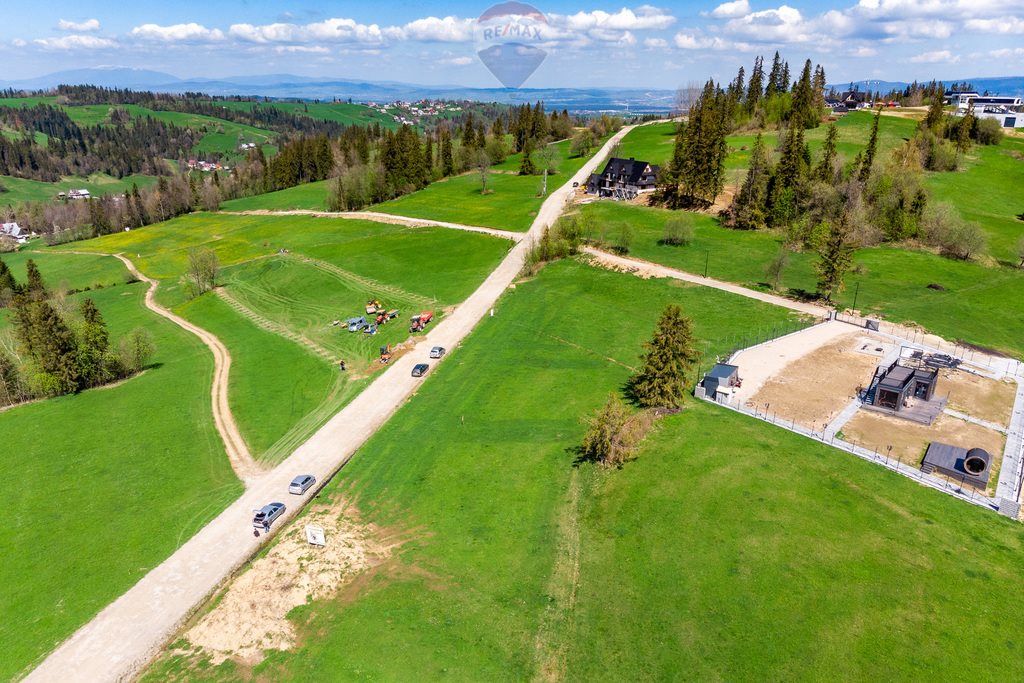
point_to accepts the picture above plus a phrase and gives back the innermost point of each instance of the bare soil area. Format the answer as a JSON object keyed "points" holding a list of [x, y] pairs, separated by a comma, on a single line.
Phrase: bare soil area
{"points": [[909, 440], [252, 615], [981, 397], [815, 387]]}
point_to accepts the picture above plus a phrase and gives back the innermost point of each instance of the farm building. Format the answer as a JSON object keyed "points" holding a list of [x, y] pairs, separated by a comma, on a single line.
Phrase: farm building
{"points": [[14, 232], [905, 390], [971, 466], [624, 179], [720, 380]]}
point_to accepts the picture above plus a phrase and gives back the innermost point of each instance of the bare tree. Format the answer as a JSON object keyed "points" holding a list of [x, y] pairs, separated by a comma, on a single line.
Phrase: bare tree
{"points": [[203, 268], [547, 156], [686, 96], [482, 163]]}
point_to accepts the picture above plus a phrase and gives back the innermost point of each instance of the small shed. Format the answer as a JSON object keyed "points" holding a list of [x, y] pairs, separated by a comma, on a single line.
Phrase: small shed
{"points": [[971, 466], [720, 379]]}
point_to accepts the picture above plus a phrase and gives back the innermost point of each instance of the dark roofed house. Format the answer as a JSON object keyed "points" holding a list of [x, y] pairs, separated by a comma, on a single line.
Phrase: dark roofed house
{"points": [[624, 179]]}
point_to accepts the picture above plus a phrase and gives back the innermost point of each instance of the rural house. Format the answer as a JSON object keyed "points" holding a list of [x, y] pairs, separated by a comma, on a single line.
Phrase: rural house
{"points": [[623, 179], [14, 232]]}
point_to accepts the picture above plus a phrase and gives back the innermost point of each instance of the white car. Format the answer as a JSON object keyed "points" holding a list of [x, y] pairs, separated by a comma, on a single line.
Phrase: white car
{"points": [[301, 484], [437, 352]]}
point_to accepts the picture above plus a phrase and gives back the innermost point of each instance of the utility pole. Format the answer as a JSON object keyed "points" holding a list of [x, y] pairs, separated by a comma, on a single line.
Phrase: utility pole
{"points": [[707, 257], [855, 293]]}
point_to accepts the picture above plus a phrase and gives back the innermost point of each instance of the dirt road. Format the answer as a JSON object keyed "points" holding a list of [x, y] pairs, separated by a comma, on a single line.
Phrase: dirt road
{"points": [[238, 453], [381, 217], [122, 638], [648, 269]]}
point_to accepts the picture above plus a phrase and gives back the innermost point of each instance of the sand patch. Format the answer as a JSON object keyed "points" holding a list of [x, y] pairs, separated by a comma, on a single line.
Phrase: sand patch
{"points": [[977, 396], [909, 440], [251, 616], [814, 388]]}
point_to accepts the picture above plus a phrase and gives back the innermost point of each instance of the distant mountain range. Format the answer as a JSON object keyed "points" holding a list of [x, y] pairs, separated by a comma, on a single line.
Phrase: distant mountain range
{"points": [[1000, 85], [640, 100], [304, 87]]}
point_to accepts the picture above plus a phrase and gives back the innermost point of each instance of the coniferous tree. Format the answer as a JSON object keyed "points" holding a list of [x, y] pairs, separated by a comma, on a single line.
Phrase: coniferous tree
{"points": [[869, 151], [835, 256], [755, 90], [736, 88], [818, 87], [825, 170], [774, 77], [527, 167], [805, 112], [50, 344], [936, 114], [8, 285], [697, 171], [670, 355], [447, 158], [748, 208], [786, 183], [93, 343], [963, 131], [34, 286], [428, 156]]}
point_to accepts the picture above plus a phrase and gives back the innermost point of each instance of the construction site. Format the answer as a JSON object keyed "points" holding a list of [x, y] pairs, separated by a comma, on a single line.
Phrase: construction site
{"points": [[891, 395]]}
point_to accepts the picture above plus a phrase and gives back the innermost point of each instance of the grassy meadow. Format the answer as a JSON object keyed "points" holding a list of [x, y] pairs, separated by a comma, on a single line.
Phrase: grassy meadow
{"points": [[20, 190], [708, 557], [311, 196], [889, 281], [281, 389], [339, 112], [90, 516]]}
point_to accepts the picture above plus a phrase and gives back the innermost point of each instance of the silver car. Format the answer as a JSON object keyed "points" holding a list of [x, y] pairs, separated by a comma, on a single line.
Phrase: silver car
{"points": [[301, 484], [437, 352], [266, 515]]}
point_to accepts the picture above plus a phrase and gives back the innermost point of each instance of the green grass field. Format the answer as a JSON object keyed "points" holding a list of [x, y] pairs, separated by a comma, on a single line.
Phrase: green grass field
{"points": [[20, 190], [331, 269], [106, 484], [887, 280], [511, 203], [730, 550], [339, 112], [312, 196], [68, 271]]}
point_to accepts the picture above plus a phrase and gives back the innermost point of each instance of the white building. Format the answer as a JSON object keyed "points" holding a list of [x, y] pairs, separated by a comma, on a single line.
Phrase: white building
{"points": [[14, 231]]}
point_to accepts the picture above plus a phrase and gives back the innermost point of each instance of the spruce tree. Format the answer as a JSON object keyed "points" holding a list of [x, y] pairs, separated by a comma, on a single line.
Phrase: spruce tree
{"points": [[93, 343], [804, 113], [825, 170], [786, 184], [834, 245], [51, 345], [774, 77], [697, 172], [963, 131], [34, 287], [670, 355], [748, 210], [447, 158], [527, 167], [8, 285], [936, 113], [869, 152], [428, 156], [755, 89]]}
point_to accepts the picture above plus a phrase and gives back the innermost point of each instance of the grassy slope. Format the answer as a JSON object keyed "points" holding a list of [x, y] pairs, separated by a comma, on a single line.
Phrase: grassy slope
{"points": [[711, 557], [21, 190], [70, 271], [311, 196], [340, 112], [511, 203], [891, 281], [408, 265], [483, 494], [89, 515]]}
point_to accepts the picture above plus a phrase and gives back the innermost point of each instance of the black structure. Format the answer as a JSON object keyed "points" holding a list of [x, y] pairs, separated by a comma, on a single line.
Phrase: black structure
{"points": [[972, 467], [720, 379], [624, 179], [893, 386]]}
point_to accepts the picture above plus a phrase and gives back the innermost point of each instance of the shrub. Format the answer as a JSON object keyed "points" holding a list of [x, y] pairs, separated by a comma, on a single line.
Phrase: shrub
{"points": [[678, 231], [988, 132], [944, 228]]}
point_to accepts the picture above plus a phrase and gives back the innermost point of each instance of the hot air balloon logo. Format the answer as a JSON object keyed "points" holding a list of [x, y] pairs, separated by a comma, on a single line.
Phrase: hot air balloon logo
{"points": [[508, 39]]}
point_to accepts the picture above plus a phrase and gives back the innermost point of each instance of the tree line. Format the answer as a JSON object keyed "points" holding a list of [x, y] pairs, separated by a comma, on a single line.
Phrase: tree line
{"points": [[56, 348]]}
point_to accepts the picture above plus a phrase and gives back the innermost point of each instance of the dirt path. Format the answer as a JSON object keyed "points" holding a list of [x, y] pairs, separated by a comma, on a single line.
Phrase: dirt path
{"points": [[646, 269], [241, 460], [380, 217], [121, 639]]}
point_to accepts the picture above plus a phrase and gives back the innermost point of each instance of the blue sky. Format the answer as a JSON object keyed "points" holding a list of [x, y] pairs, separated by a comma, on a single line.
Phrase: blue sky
{"points": [[590, 43]]}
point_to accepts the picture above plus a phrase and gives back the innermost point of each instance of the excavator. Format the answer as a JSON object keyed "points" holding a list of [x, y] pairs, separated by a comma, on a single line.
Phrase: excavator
{"points": [[385, 354]]}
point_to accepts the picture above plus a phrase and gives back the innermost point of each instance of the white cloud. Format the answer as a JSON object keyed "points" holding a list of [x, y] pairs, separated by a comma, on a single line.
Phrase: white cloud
{"points": [[462, 60], [935, 57], [695, 40], [333, 30], [1001, 25], [75, 42], [645, 18], [1007, 52], [19, 42], [301, 49], [192, 32], [79, 26], [731, 9], [655, 43], [446, 30], [863, 51]]}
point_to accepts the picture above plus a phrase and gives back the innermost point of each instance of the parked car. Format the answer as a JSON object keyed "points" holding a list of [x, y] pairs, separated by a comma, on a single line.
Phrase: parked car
{"points": [[267, 514], [437, 352], [356, 324], [301, 484], [420, 369]]}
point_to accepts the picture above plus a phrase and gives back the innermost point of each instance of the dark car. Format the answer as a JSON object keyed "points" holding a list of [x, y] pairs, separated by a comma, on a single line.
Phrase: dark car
{"points": [[301, 484], [267, 514], [437, 352], [420, 369]]}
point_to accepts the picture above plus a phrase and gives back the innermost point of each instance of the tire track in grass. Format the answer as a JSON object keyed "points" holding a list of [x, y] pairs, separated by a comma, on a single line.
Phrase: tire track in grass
{"points": [[369, 283], [274, 328]]}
